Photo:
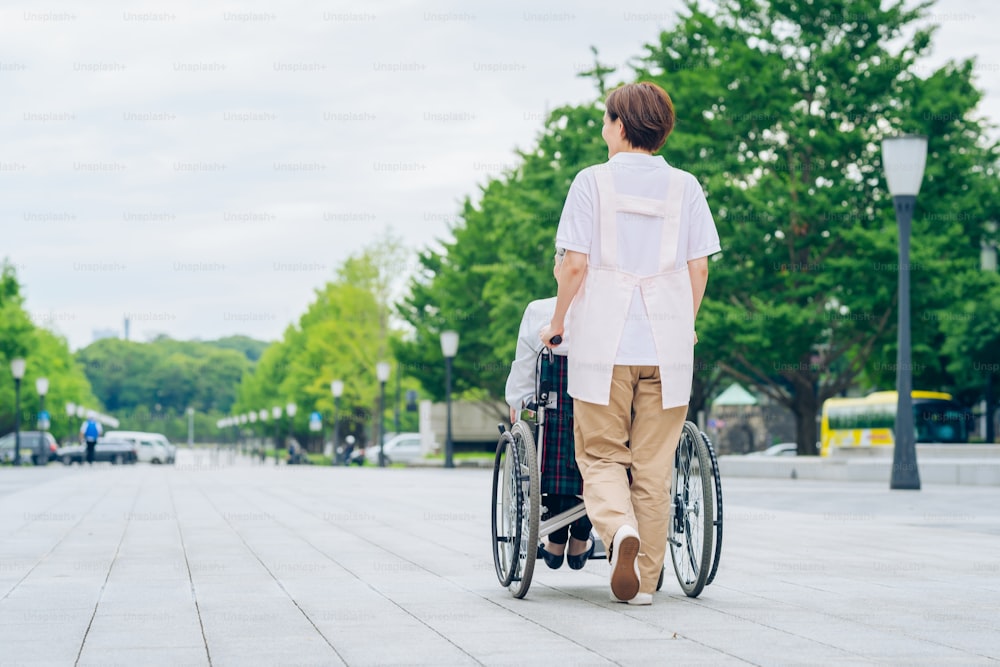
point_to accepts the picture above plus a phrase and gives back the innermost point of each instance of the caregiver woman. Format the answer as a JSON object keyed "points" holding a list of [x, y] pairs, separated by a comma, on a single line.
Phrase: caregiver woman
{"points": [[638, 234]]}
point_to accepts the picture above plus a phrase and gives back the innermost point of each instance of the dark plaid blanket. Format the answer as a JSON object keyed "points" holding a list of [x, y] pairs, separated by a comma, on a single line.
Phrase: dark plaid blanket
{"points": [[559, 472]]}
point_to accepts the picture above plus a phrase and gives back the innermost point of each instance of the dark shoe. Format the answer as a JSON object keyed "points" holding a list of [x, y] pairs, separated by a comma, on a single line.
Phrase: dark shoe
{"points": [[553, 561], [577, 562]]}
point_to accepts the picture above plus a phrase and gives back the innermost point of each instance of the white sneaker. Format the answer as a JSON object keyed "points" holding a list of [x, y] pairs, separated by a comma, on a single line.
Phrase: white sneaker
{"points": [[642, 599], [624, 563]]}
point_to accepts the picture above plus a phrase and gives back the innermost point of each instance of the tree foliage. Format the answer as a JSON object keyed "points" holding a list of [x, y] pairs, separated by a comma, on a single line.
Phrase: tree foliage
{"points": [[46, 355], [781, 109], [787, 105], [343, 334]]}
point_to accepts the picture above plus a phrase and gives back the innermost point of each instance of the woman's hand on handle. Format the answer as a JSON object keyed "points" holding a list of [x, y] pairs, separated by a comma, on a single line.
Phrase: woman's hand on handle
{"points": [[549, 332]]}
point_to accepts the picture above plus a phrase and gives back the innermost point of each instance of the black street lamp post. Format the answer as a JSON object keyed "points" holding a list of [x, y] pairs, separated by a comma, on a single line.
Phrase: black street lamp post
{"points": [[382, 370], [262, 415], [276, 413], [988, 262], [904, 159], [291, 409], [395, 406], [42, 387], [17, 369], [337, 389], [449, 348]]}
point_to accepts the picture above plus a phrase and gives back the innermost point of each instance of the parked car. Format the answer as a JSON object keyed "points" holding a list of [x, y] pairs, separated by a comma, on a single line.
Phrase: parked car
{"points": [[107, 449], [400, 448], [152, 447], [39, 447], [780, 449]]}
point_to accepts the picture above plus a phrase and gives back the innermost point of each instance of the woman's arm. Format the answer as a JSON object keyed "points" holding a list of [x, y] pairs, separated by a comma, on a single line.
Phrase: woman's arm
{"points": [[571, 275], [698, 270]]}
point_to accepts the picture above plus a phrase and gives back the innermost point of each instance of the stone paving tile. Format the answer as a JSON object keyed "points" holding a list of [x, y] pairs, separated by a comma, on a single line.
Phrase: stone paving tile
{"points": [[264, 565]]}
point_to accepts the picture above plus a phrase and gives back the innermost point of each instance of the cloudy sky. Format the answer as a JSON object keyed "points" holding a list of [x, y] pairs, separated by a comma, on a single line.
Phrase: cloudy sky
{"points": [[203, 167]]}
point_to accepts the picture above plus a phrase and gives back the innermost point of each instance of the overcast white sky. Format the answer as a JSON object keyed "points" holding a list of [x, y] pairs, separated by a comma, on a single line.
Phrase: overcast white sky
{"points": [[205, 166]]}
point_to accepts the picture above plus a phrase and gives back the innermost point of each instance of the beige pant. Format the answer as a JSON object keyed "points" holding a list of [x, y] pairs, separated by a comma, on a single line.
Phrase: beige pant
{"points": [[632, 431]]}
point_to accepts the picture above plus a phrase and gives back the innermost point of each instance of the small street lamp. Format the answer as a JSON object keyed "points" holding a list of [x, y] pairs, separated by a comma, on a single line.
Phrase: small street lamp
{"points": [[17, 370], [42, 387], [262, 417], [449, 347], [290, 410], [337, 389], [276, 413], [241, 422], [382, 370], [395, 404], [988, 262], [904, 158]]}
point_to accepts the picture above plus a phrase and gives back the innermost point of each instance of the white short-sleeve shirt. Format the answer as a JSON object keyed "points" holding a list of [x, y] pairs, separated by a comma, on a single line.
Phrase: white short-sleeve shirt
{"points": [[641, 175]]}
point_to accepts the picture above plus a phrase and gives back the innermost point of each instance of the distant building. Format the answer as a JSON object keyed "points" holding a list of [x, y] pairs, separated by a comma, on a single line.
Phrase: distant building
{"points": [[741, 423]]}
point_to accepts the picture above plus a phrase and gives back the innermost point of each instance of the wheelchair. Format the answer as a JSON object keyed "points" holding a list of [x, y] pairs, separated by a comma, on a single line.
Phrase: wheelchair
{"points": [[695, 526]]}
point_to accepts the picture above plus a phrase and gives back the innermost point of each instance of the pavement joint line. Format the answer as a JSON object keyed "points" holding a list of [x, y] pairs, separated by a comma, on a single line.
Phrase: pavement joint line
{"points": [[642, 618], [454, 584], [356, 576], [187, 565], [512, 609], [111, 567], [851, 565], [272, 575], [897, 631], [54, 546]]}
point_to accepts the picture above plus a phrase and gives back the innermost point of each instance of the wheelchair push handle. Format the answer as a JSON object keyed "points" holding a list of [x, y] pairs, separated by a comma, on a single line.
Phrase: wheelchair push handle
{"points": [[556, 340]]}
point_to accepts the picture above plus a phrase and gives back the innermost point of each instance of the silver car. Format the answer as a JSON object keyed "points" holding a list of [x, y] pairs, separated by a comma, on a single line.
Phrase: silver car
{"points": [[401, 448]]}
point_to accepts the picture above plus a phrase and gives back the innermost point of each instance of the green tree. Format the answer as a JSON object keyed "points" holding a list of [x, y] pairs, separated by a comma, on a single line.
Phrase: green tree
{"points": [[343, 334], [150, 386], [783, 108], [249, 347], [46, 355]]}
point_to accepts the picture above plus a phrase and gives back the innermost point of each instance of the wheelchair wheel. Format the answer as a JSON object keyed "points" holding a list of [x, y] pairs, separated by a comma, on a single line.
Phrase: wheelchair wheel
{"points": [[516, 501], [717, 487], [692, 520]]}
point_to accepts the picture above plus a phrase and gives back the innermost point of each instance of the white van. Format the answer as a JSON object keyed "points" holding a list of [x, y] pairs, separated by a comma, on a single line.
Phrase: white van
{"points": [[151, 447]]}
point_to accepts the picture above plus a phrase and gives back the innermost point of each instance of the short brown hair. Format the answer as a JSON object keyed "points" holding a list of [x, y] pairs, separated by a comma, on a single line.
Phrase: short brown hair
{"points": [[646, 113]]}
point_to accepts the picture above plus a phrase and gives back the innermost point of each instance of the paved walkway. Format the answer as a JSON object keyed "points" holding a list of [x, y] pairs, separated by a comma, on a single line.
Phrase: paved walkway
{"points": [[207, 564]]}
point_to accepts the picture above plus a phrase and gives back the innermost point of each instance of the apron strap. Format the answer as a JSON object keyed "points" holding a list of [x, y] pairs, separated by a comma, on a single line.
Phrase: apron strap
{"points": [[669, 237], [668, 210], [608, 220]]}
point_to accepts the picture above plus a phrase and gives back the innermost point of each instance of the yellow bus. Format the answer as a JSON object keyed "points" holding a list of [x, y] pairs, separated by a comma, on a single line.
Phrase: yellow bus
{"points": [[869, 421]]}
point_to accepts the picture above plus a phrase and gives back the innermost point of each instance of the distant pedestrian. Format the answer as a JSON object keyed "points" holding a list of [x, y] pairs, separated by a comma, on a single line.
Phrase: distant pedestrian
{"points": [[90, 432]]}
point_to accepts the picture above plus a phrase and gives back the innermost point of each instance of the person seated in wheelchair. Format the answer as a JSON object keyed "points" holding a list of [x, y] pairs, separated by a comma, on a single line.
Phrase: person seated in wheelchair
{"points": [[561, 484]]}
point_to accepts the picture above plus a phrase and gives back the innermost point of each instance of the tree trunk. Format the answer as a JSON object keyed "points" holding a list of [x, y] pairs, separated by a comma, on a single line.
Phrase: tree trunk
{"points": [[806, 409]]}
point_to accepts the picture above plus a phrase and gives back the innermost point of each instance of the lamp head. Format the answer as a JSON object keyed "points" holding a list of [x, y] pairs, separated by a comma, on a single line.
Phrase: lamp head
{"points": [[904, 158], [449, 343]]}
